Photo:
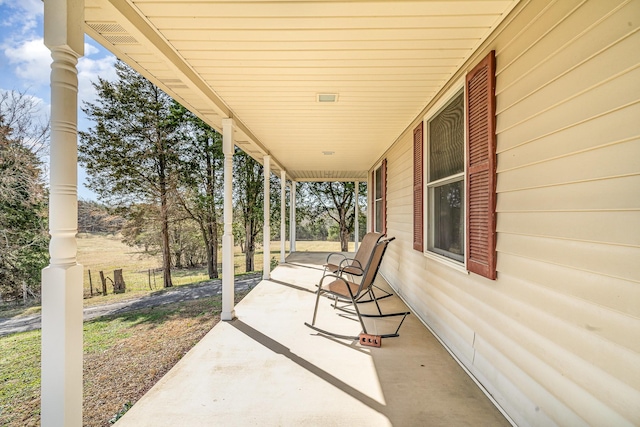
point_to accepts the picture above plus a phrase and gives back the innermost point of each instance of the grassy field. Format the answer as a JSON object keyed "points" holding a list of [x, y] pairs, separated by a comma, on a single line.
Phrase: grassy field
{"points": [[107, 253], [98, 252], [124, 356]]}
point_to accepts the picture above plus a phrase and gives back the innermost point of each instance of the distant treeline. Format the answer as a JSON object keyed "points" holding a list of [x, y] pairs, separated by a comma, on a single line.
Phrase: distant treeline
{"points": [[94, 217]]}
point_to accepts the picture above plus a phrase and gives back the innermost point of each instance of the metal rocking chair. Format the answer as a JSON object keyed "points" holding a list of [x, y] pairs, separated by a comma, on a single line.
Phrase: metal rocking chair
{"points": [[339, 264], [344, 290]]}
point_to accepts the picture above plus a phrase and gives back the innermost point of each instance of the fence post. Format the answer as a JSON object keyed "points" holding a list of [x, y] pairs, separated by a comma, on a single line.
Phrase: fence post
{"points": [[90, 284], [118, 282], [104, 284]]}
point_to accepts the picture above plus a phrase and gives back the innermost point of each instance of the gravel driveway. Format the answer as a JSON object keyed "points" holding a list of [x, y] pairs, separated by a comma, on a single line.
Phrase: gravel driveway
{"points": [[177, 294]]}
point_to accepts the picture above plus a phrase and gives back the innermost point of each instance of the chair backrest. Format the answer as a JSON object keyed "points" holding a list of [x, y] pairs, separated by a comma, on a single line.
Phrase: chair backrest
{"points": [[366, 247], [373, 265]]}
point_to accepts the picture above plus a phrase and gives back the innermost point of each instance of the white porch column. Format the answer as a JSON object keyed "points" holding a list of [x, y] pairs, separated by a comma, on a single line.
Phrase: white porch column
{"points": [[61, 398], [283, 215], [356, 231], [292, 219], [228, 312], [266, 240]]}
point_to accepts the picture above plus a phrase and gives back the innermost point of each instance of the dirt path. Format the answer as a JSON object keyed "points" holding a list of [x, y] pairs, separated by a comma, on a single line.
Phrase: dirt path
{"points": [[177, 294]]}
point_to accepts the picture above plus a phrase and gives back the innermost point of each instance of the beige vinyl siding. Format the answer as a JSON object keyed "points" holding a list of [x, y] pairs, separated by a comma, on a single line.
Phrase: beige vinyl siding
{"points": [[556, 338]]}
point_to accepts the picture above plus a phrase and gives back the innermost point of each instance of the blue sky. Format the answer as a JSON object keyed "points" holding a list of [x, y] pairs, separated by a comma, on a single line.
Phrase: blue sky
{"points": [[25, 62]]}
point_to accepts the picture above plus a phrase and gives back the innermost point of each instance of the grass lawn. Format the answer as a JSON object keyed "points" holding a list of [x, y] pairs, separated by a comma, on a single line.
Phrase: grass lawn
{"points": [[107, 253], [124, 356], [99, 252]]}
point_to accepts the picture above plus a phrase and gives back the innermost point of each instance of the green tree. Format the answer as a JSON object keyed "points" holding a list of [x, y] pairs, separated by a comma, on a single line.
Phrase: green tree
{"points": [[275, 192], [140, 227], [249, 195], [186, 244], [131, 153], [201, 179], [23, 198], [335, 199]]}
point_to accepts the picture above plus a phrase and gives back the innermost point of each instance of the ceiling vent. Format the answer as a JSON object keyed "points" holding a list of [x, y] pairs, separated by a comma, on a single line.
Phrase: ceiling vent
{"points": [[327, 97], [113, 32]]}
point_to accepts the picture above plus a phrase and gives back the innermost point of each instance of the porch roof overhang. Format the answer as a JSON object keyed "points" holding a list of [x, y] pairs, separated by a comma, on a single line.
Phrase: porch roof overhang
{"points": [[264, 63]]}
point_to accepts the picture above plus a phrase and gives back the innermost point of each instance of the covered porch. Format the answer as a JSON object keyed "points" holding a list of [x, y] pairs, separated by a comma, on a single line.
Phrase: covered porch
{"points": [[266, 368], [315, 92], [547, 318]]}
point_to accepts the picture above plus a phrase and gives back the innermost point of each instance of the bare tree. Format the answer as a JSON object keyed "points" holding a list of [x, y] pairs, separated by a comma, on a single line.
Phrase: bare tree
{"points": [[22, 115], [23, 202]]}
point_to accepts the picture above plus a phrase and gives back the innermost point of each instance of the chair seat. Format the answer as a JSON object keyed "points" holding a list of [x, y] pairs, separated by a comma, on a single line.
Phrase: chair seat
{"points": [[339, 287]]}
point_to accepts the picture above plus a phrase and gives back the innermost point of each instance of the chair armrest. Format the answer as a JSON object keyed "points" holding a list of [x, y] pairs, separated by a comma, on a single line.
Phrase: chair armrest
{"points": [[350, 263], [354, 263], [335, 254]]}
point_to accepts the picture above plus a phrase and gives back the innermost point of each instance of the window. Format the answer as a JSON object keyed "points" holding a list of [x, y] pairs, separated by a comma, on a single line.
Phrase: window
{"points": [[460, 180], [380, 198], [445, 180]]}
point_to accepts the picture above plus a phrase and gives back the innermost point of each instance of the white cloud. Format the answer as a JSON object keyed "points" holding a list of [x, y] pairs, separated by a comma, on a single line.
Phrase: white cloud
{"points": [[35, 7], [23, 16], [32, 65], [31, 60], [90, 49], [88, 72]]}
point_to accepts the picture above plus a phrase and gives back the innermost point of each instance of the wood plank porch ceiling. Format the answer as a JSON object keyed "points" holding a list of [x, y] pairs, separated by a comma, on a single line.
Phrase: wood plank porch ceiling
{"points": [[264, 63]]}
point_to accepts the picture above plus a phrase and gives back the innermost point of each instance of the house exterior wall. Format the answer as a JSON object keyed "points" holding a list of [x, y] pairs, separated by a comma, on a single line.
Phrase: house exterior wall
{"points": [[556, 338]]}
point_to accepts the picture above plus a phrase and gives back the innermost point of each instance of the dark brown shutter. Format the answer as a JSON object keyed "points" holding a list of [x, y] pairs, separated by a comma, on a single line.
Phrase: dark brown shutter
{"points": [[481, 168], [417, 189], [384, 196]]}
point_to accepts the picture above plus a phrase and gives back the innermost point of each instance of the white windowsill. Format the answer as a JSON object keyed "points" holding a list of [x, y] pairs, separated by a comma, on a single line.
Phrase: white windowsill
{"points": [[446, 261]]}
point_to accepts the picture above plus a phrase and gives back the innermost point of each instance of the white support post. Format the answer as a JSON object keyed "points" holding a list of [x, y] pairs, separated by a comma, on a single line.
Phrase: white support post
{"points": [[61, 385], [283, 215], [228, 312], [292, 219], [356, 231], [266, 240]]}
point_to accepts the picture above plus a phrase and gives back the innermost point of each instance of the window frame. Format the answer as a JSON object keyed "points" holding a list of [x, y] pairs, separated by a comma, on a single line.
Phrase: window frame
{"points": [[458, 89], [382, 167]]}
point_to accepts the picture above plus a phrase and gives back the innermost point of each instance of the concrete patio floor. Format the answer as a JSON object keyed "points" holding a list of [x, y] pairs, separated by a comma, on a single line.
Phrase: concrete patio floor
{"points": [[266, 368]]}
